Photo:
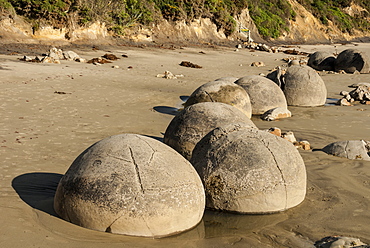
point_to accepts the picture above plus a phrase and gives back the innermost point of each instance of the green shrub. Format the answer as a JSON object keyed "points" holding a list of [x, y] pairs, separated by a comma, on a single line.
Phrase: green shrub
{"points": [[270, 16]]}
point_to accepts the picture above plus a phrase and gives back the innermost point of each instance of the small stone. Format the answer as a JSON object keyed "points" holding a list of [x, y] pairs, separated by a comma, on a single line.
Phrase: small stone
{"points": [[344, 93], [343, 102], [39, 58], [239, 46], [115, 67], [50, 60], [27, 59], [348, 98], [276, 113], [305, 145], [275, 130], [81, 60], [289, 136], [56, 53], [258, 64]]}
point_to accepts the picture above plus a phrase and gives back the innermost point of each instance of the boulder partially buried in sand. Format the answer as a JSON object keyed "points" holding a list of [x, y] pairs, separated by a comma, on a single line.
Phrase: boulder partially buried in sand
{"points": [[264, 93], [249, 171], [194, 122], [131, 184], [223, 91], [340, 242], [352, 60], [304, 87], [351, 149], [321, 61]]}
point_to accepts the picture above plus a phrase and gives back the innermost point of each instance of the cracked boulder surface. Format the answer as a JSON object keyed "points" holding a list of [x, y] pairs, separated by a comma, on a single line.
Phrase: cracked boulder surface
{"points": [[351, 149], [194, 122], [321, 61], [131, 184], [264, 93], [351, 60], [249, 171], [304, 87], [224, 91]]}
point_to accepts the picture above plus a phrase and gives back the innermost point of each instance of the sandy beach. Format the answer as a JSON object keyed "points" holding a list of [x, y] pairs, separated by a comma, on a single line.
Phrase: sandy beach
{"points": [[50, 113]]}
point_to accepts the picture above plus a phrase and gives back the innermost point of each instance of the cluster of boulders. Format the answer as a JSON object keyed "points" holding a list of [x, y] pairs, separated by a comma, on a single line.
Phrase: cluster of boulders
{"points": [[243, 169], [289, 136], [347, 61], [361, 93], [212, 155], [135, 185], [54, 56], [260, 47]]}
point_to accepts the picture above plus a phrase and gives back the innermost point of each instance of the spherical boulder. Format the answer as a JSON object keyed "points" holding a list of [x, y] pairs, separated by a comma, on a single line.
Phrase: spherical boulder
{"points": [[321, 61], [249, 171], [304, 87], [351, 60], [264, 93], [195, 121], [351, 149], [222, 90], [131, 184]]}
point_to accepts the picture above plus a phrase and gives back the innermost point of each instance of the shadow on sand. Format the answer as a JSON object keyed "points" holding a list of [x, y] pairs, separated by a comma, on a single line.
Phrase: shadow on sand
{"points": [[166, 110], [38, 189]]}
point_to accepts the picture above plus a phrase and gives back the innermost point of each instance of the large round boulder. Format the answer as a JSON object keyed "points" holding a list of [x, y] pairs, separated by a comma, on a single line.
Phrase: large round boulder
{"points": [[351, 149], [222, 90], [321, 61], [131, 184], [195, 121], [250, 171], [264, 93], [351, 60], [304, 87]]}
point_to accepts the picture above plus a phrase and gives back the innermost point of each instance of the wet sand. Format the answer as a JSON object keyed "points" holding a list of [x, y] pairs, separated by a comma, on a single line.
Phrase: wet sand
{"points": [[50, 113]]}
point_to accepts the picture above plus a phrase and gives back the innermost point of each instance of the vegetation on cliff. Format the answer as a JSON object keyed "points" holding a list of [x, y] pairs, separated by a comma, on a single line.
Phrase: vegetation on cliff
{"points": [[270, 16]]}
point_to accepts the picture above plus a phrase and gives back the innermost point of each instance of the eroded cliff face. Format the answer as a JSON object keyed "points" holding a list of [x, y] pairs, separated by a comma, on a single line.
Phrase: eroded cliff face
{"points": [[304, 29], [307, 28]]}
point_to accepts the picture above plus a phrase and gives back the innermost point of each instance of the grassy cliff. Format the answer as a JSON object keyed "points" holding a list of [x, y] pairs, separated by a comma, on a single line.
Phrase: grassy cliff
{"points": [[270, 16]]}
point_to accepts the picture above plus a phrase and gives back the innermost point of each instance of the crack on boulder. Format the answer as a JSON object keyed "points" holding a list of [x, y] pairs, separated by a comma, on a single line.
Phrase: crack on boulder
{"points": [[119, 158], [345, 149], [137, 170], [210, 97], [109, 228], [154, 151], [280, 170]]}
